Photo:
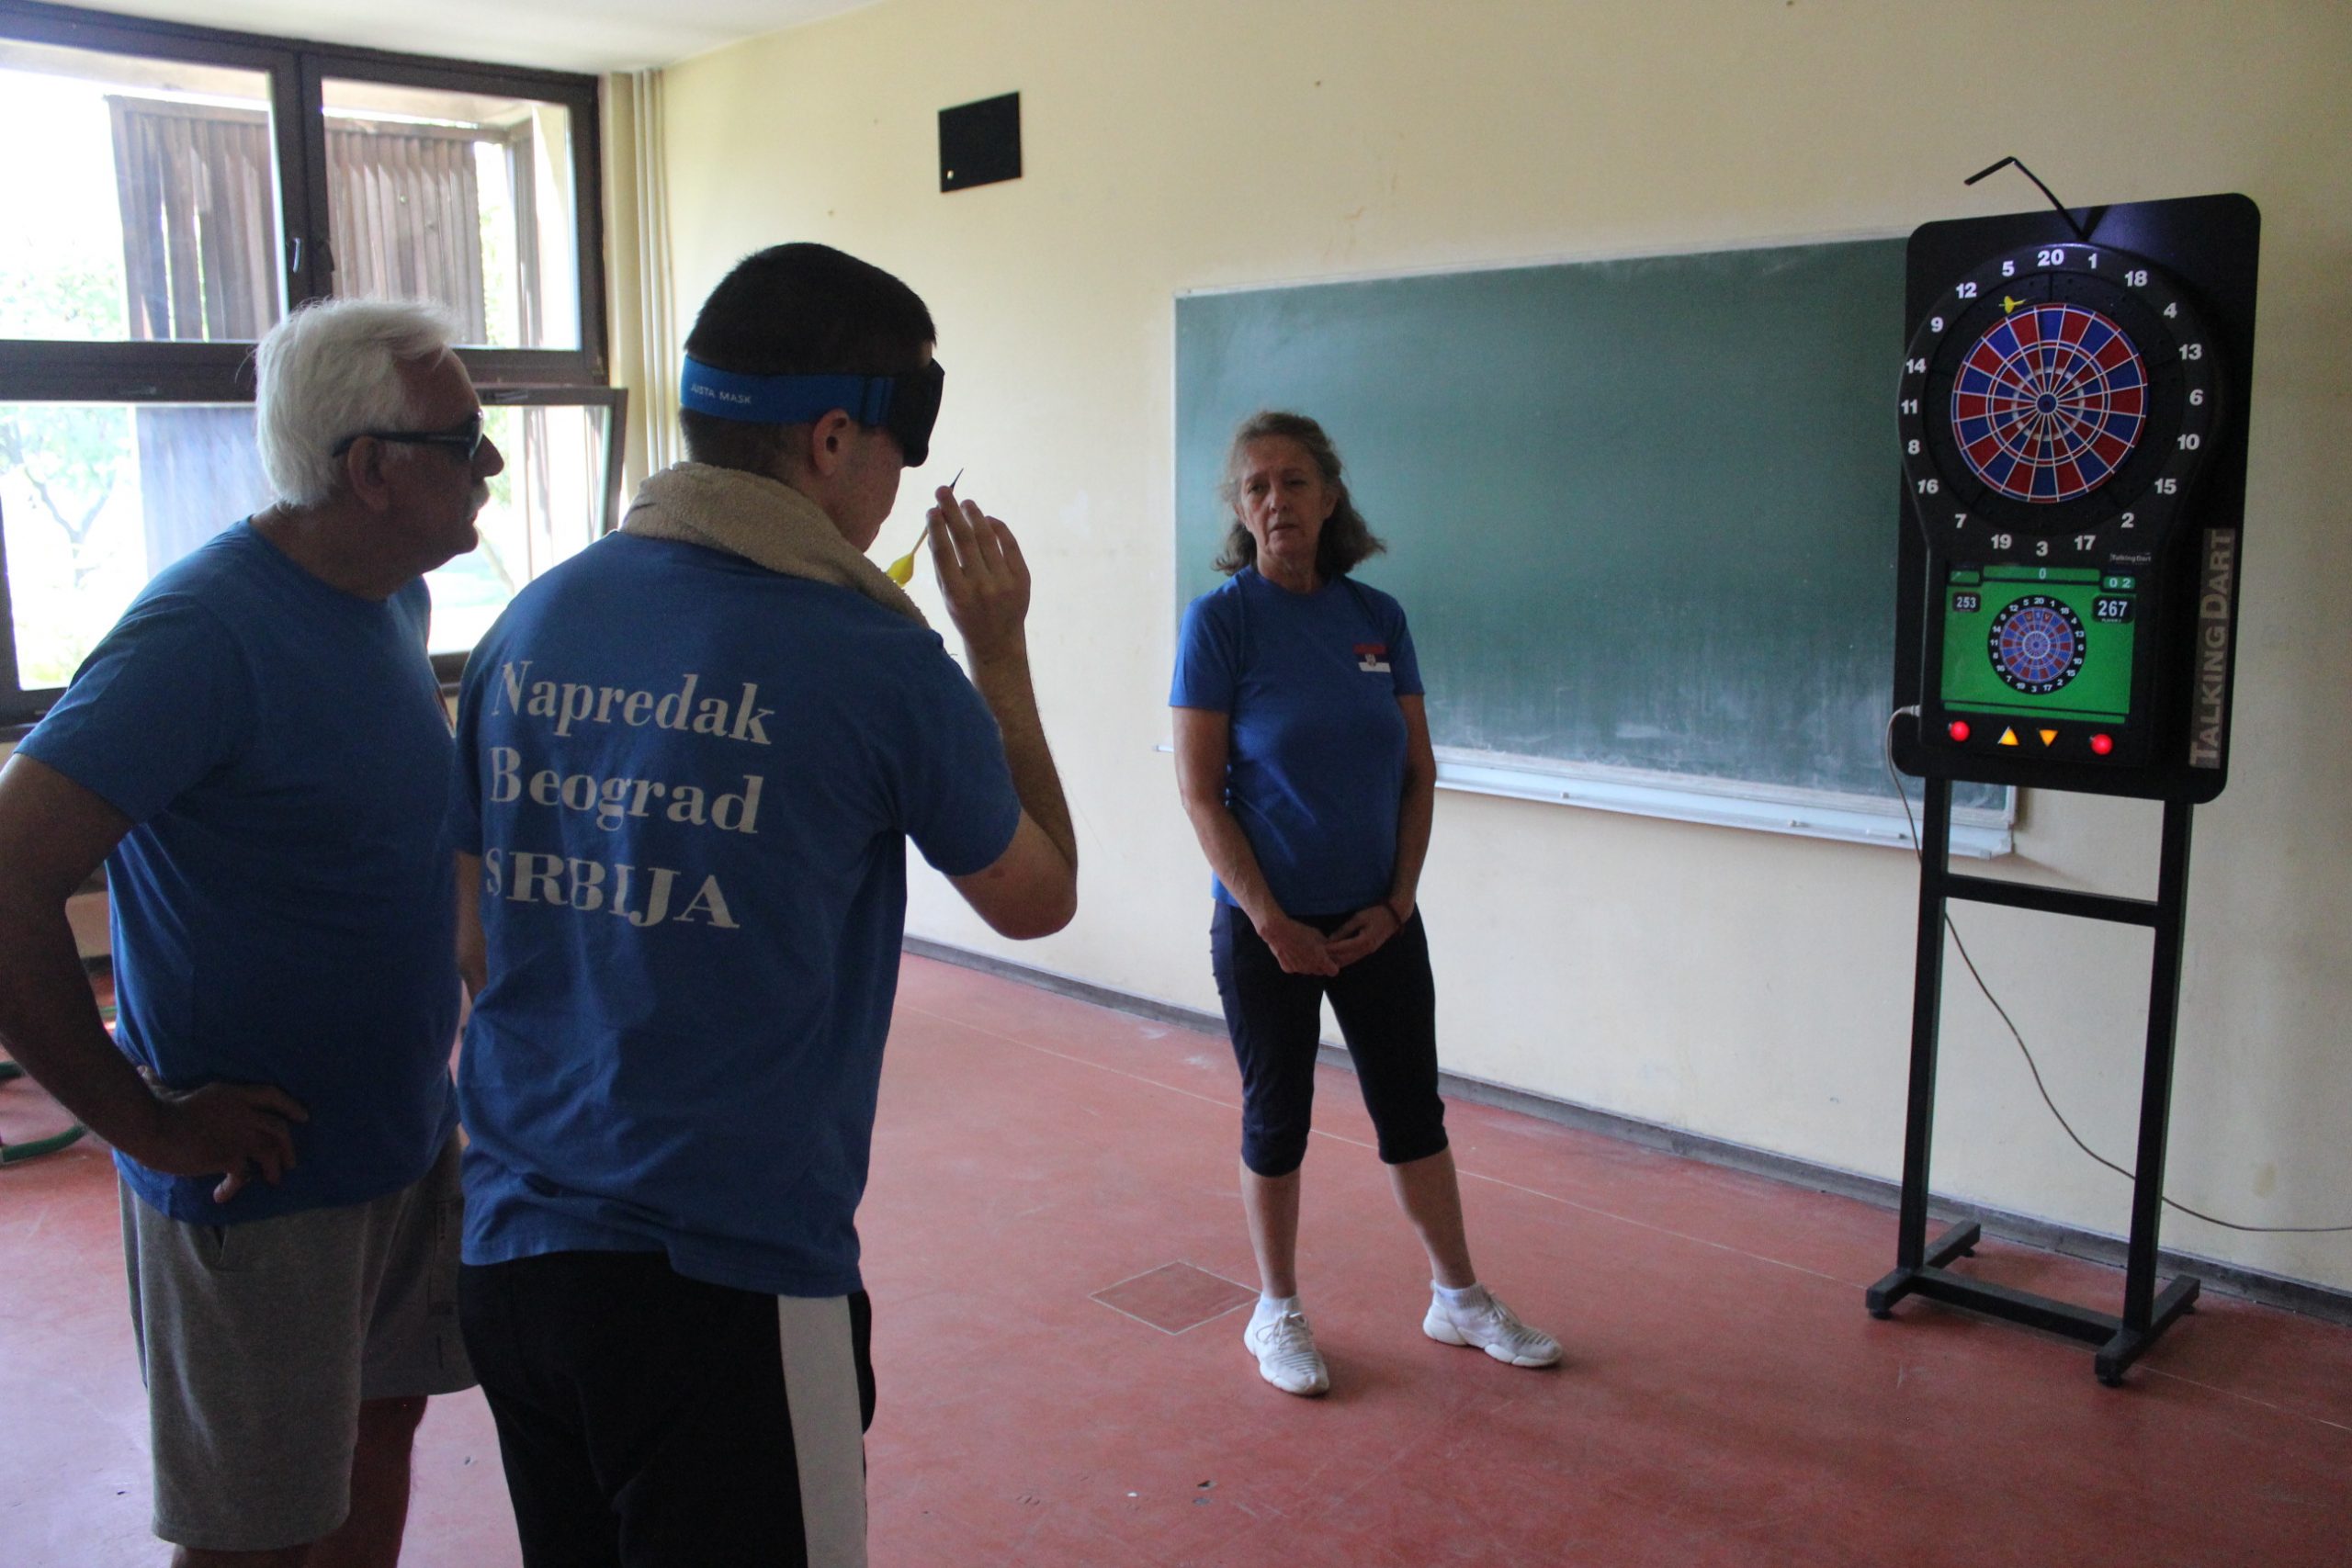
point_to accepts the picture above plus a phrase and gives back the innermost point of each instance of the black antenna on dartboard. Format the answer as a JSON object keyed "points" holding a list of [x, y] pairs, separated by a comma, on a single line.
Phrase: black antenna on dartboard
{"points": [[2080, 232]]}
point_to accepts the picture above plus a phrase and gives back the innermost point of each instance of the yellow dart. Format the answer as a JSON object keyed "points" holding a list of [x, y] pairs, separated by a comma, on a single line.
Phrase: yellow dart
{"points": [[902, 571]]}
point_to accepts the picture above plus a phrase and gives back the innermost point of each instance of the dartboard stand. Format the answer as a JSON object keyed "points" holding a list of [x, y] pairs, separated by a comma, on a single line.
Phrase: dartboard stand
{"points": [[2073, 408], [1922, 1270]]}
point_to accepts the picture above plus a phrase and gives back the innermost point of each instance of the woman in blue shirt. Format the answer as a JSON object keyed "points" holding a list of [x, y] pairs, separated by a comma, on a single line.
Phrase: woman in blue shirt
{"points": [[1303, 753]]}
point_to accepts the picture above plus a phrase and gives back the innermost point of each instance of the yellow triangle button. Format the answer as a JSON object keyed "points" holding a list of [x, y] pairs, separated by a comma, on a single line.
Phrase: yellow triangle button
{"points": [[2049, 738], [2008, 738]]}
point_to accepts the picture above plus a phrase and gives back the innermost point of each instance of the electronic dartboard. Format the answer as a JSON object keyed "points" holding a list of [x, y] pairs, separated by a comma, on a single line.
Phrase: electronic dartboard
{"points": [[2073, 416]]}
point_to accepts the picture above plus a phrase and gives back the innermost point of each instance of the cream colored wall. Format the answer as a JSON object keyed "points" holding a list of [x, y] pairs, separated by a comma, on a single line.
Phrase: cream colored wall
{"points": [[1740, 985]]}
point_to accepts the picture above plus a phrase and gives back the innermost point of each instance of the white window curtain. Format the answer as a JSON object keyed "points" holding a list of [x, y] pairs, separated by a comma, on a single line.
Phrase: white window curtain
{"points": [[646, 337]]}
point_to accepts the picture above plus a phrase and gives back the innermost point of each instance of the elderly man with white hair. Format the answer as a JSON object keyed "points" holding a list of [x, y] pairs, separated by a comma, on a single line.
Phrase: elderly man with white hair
{"points": [[259, 753]]}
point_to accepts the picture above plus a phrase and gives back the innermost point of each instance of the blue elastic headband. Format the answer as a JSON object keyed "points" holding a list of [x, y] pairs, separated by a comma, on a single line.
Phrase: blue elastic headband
{"points": [[906, 405]]}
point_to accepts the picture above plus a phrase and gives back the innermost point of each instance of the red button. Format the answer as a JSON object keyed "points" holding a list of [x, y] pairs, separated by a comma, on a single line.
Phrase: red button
{"points": [[1958, 728], [2102, 744]]}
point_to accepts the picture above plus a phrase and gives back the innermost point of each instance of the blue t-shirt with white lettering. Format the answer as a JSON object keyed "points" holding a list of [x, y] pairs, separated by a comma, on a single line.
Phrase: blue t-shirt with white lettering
{"points": [[1316, 775], [691, 781], [282, 910]]}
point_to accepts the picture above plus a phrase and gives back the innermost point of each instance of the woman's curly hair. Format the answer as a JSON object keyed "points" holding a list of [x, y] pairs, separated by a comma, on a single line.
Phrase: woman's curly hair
{"points": [[1346, 541]]}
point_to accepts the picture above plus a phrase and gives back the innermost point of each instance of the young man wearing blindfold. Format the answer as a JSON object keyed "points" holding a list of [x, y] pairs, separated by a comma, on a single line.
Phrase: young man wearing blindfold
{"points": [[689, 759]]}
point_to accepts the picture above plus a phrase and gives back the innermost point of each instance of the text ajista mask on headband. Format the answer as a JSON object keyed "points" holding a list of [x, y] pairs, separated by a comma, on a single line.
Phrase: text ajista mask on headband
{"points": [[907, 405]]}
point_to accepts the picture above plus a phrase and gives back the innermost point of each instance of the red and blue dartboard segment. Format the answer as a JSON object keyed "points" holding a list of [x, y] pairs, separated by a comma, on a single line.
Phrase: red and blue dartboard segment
{"points": [[2037, 644], [2049, 403]]}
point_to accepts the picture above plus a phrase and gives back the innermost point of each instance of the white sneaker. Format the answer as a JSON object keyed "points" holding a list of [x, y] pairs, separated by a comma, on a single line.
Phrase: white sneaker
{"points": [[1286, 1355], [1493, 1328]]}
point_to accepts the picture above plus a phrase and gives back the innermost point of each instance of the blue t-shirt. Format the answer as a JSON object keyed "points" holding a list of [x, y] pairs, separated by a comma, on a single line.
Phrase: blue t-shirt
{"points": [[691, 781], [282, 910], [1317, 772]]}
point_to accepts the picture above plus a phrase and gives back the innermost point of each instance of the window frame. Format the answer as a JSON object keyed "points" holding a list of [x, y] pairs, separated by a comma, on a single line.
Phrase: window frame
{"points": [[129, 372], [614, 401]]}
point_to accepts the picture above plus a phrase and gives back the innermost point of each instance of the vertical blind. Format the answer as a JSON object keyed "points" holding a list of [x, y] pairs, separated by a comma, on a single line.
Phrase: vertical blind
{"points": [[198, 219], [197, 200], [405, 216]]}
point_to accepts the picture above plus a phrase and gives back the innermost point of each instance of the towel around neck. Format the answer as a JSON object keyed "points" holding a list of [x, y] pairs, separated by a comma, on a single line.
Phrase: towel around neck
{"points": [[763, 521]]}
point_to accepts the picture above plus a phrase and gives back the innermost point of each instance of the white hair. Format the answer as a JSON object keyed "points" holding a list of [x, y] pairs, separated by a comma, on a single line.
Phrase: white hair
{"points": [[332, 370]]}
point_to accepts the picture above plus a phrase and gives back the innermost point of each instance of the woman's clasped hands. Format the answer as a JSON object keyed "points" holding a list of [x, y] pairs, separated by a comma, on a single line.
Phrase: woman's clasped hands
{"points": [[1303, 950]]}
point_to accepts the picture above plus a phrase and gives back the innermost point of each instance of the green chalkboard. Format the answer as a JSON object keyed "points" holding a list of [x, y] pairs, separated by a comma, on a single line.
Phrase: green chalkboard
{"points": [[1641, 512]]}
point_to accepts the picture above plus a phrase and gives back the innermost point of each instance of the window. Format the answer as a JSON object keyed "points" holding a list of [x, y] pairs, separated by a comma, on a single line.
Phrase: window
{"points": [[563, 447], [190, 186]]}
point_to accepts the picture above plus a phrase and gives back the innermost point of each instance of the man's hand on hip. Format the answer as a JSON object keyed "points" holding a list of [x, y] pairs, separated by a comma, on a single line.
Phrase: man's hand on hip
{"points": [[230, 1129]]}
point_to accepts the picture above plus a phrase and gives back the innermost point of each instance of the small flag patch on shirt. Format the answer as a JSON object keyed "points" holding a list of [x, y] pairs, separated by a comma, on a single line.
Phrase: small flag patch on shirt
{"points": [[1372, 657]]}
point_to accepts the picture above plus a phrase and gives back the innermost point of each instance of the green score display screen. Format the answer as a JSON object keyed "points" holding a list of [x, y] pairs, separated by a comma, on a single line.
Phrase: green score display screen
{"points": [[2040, 641]]}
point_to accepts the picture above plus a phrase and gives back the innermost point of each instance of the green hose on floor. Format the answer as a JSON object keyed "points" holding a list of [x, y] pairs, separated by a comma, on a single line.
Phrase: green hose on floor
{"points": [[17, 1153]]}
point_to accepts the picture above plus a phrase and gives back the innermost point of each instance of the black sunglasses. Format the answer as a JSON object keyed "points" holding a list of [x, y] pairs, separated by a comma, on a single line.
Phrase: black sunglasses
{"points": [[463, 439]]}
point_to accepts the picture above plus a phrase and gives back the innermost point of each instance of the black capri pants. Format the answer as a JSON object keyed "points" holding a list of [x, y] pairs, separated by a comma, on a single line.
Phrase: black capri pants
{"points": [[1386, 1004]]}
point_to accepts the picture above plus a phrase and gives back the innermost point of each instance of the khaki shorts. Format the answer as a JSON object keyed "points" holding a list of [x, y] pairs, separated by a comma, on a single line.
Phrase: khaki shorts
{"points": [[259, 1341]]}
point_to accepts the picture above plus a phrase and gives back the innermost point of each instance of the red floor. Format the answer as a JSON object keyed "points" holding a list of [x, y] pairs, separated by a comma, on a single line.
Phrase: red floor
{"points": [[1727, 1400]]}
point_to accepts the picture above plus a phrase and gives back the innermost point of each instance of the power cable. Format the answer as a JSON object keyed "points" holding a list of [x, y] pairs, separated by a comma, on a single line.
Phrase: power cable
{"points": [[1886, 755]]}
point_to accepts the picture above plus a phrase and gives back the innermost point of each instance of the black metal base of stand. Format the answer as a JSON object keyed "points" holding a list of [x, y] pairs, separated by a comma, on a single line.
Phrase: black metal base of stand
{"points": [[1921, 1269], [2120, 1344]]}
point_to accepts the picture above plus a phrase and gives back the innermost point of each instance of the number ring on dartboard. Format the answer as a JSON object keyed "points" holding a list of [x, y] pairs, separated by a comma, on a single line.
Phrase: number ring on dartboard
{"points": [[2036, 644], [2056, 406]]}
